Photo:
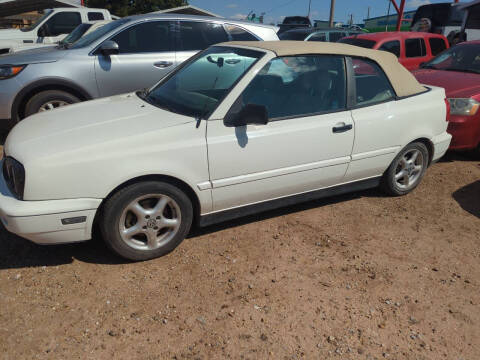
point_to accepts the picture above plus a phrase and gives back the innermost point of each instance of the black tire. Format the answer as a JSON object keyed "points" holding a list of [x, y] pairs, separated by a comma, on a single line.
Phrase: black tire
{"points": [[390, 185], [38, 100], [115, 208]]}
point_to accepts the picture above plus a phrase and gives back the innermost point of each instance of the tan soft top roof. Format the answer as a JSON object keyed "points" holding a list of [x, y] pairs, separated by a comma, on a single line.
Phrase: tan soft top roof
{"points": [[403, 82]]}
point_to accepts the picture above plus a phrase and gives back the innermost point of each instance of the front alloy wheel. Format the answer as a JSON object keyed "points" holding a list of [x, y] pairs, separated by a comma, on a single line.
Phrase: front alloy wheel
{"points": [[146, 220], [150, 221]]}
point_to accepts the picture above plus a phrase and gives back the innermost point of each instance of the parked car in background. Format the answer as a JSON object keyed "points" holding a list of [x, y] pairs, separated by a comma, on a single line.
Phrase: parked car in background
{"points": [[458, 71], [50, 28], [411, 48], [137, 164], [125, 55], [442, 18], [315, 34], [81, 30], [293, 22]]}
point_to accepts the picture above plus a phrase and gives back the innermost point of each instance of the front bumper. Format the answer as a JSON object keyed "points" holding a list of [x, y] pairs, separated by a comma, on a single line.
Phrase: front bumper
{"points": [[440, 145], [49, 221]]}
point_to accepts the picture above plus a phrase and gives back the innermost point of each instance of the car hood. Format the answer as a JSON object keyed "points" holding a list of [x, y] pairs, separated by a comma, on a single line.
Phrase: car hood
{"points": [[33, 56], [87, 125], [456, 84]]}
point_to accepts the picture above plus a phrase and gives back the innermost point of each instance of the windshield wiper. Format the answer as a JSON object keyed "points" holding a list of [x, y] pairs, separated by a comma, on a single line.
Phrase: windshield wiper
{"points": [[427, 66]]}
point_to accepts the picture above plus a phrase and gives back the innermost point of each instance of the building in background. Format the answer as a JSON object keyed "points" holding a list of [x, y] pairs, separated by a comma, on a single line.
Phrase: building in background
{"points": [[379, 23]]}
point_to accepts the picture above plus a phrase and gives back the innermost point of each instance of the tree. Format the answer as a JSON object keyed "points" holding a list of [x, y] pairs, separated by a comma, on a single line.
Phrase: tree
{"points": [[116, 7], [131, 7]]}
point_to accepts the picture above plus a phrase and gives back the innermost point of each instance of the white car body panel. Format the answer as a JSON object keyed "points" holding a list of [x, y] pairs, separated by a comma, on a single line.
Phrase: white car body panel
{"points": [[108, 142]]}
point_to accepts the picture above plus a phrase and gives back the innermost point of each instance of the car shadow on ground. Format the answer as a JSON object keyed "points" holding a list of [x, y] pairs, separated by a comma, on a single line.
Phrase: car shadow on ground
{"points": [[17, 253], [285, 211], [468, 197], [452, 156]]}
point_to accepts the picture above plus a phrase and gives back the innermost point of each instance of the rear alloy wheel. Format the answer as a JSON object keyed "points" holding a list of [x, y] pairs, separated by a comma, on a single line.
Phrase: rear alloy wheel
{"points": [[49, 100], [406, 170], [146, 220]]}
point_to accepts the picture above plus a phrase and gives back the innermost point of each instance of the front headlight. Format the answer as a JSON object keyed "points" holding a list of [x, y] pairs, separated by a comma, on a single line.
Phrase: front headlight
{"points": [[463, 106], [7, 72], [14, 175]]}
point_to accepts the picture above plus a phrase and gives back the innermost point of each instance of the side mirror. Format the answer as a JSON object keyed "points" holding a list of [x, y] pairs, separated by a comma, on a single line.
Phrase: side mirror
{"points": [[250, 114], [109, 47]]}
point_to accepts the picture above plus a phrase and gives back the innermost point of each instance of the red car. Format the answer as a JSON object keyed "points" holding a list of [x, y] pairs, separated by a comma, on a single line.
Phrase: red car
{"points": [[458, 71], [411, 48]]}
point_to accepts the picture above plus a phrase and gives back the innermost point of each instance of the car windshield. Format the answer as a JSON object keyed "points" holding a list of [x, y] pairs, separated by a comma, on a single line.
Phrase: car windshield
{"points": [[464, 58], [293, 35], [76, 34], [198, 87], [296, 20], [98, 33], [369, 44], [38, 22]]}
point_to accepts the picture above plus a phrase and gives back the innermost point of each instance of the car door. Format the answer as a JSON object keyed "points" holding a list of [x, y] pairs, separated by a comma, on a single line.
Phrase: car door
{"points": [[415, 53], [306, 144], [375, 114], [193, 36], [146, 55], [58, 26], [392, 46]]}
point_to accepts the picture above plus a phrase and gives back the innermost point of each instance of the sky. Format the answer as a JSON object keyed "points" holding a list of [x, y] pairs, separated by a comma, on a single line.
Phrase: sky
{"points": [[275, 10]]}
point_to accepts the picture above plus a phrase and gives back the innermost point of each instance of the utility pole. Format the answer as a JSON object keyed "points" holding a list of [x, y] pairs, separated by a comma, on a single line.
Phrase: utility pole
{"points": [[368, 13], [332, 12], [309, 7], [388, 15]]}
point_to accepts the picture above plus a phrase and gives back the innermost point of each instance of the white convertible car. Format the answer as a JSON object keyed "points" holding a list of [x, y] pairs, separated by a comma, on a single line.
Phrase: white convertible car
{"points": [[240, 128]]}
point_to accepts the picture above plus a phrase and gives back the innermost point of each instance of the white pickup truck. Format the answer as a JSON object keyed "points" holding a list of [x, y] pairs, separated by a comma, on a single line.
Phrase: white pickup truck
{"points": [[50, 28]]}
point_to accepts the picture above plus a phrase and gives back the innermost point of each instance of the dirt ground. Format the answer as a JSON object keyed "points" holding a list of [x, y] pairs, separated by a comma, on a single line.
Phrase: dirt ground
{"points": [[361, 276]]}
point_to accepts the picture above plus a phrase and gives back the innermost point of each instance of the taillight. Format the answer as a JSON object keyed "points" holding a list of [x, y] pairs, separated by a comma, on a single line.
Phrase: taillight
{"points": [[447, 103]]}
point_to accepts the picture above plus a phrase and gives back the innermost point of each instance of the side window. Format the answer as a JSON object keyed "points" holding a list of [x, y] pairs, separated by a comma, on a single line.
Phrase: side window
{"points": [[415, 47], [298, 86], [318, 37], [93, 16], [335, 36], [147, 37], [371, 83], [239, 34], [391, 46], [62, 23], [437, 45], [197, 35]]}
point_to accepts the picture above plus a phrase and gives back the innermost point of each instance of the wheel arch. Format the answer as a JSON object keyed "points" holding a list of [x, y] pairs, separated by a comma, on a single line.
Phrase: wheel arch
{"points": [[182, 185], [45, 84], [430, 147]]}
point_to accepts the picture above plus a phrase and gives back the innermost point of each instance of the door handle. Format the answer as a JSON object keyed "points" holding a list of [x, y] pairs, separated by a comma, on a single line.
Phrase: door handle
{"points": [[163, 64], [341, 127]]}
